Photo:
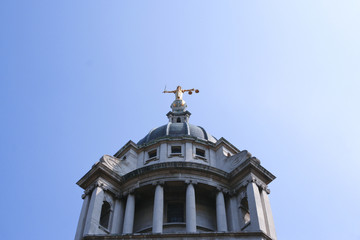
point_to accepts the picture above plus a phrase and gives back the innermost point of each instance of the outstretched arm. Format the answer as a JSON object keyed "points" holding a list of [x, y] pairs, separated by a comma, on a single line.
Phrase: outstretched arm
{"points": [[169, 91], [188, 90]]}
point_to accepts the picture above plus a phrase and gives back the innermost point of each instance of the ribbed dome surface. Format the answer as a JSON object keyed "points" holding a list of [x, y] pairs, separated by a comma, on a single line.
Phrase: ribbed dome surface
{"points": [[177, 130]]}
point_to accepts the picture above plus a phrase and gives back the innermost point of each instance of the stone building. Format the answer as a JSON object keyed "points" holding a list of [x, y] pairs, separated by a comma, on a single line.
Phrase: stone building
{"points": [[178, 182]]}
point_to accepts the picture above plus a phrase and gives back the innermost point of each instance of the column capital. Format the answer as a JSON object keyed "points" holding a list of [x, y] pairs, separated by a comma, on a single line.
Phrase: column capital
{"points": [[233, 192], [93, 186], [130, 191], [252, 180], [191, 181], [99, 184], [259, 183], [87, 192], [119, 196], [221, 189], [155, 183]]}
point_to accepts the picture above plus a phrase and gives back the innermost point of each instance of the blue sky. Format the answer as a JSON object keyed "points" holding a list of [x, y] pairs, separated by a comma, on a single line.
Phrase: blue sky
{"points": [[278, 78]]}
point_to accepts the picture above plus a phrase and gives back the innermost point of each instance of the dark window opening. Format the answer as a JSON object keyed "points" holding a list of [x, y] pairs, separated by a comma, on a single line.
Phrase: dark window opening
{"points": [[175, 212], [152, 153], [200, 152], [244, 206], [175, 149], [178, 120], [105, 215]]}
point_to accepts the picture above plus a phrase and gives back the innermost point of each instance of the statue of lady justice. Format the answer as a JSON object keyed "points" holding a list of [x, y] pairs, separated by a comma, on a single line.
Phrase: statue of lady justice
{"points": [[179, 103]]}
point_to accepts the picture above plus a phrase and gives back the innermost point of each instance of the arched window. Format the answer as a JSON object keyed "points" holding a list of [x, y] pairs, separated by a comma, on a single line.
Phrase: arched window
{"points": [[105, 215], [244, 206]]}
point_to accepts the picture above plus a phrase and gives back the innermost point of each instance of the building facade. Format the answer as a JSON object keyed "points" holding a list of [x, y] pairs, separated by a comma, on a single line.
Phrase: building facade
{"points": [[178, 182]]}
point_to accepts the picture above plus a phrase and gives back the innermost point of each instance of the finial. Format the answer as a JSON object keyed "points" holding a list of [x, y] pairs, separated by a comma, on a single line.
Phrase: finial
{"points": [[179, 104]]}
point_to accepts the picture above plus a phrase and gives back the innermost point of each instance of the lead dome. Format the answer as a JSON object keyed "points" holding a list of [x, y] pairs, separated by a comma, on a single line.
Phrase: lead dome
{"points": [[176, 130]]}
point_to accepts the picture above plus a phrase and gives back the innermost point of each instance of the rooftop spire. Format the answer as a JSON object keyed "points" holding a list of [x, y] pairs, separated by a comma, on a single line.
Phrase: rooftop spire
{"points": [[179, 105]]}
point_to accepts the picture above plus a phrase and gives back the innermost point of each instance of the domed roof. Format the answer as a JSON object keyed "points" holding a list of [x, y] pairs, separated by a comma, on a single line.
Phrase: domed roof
{"points": [[178, 125], [177, 130]]}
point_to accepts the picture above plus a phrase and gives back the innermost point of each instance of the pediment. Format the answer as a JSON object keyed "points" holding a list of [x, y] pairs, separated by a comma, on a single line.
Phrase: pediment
{"points": [[230, 163], [119, 166]]}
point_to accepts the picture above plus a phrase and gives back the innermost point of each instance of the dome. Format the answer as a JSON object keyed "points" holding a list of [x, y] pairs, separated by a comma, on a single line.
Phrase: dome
{"points": [[177, 130]]}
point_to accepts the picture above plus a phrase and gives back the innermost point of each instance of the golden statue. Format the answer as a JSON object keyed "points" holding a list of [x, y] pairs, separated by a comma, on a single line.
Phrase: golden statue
{"points": [[179, 92]]}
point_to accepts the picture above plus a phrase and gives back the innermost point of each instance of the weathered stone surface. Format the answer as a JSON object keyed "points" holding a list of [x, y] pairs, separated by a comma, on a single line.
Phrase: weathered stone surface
{"points": [[215, 186]]}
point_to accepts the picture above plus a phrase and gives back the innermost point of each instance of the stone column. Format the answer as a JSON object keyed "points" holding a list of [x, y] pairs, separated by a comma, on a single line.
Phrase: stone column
{"points": [[190, 208], [232, 213], [94, 211], [158, 209], [129, 214], [118, 217], [220, 212], [82, 218], [268, 214], [257, 220]]}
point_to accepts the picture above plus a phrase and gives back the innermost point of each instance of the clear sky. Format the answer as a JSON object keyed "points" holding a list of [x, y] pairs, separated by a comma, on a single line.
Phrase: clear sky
{"points": [[279, 78]]}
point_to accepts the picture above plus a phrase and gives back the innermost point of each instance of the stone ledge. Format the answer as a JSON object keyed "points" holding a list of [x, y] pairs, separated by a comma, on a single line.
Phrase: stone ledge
{"points": [[176, 165], [187, 236]]}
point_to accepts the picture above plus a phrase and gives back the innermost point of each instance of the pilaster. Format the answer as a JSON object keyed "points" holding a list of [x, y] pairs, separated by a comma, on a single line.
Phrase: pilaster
{"points": [[257, 219], [82, 219], [94, 210], [270, 226]]}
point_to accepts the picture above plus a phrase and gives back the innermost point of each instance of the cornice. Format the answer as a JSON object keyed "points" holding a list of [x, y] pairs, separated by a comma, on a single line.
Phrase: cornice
{"points": [[247, 171], [176, 138], [99, 171], [174, 165], [252, 165]]}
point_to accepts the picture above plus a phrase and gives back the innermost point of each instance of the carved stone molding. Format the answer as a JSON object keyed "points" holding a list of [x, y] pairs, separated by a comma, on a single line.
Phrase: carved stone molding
{"points": [[130, 191], [155, 183], [258, 183], [233, 192], [87, 192], [119, 196], [222, 189], [191, 181], [105, 186]]}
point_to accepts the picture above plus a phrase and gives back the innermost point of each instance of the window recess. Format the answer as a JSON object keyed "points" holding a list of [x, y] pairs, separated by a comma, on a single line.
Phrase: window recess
{"points": [[175, 150]]}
